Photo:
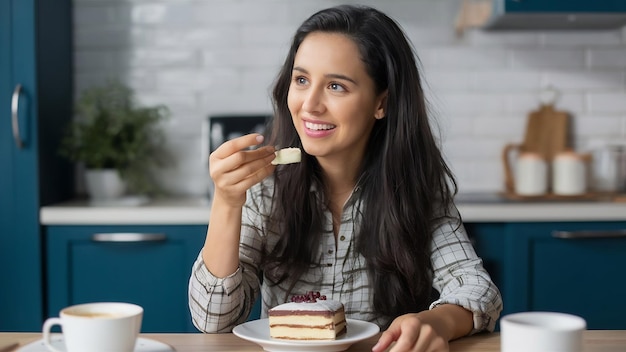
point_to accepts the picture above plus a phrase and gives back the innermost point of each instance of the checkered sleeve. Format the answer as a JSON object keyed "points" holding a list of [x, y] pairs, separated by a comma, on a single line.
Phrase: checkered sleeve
{"points": [[460, 277], [219, 304], [215, 303]]}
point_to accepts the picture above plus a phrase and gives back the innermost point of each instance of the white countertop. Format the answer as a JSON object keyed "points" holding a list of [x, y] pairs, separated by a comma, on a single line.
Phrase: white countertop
{"points": [[169, 211], [195, 211]]}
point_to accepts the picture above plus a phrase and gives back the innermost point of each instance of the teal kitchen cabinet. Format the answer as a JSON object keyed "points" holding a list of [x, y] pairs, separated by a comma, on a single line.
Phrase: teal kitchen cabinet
{"points": [[571, 267], [147, 265], [35, 103]]}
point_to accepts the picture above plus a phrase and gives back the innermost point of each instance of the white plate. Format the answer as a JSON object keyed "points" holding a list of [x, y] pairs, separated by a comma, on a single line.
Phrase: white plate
{"points": [[143, 345], [258, 331]]}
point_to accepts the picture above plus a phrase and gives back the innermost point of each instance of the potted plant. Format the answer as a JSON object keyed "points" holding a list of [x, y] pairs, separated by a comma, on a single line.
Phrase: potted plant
{"points": [[118, 142]]}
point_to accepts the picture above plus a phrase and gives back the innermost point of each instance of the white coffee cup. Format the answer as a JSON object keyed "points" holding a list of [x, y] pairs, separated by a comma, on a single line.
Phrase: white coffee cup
{"points": [[97, 327], [542, 332]]}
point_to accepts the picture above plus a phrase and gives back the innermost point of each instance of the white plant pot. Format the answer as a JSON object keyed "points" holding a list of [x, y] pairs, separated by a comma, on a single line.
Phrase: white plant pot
{"points": [[104, 184]]}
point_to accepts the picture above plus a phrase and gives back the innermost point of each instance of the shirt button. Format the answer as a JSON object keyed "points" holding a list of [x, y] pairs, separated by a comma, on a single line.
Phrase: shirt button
{"points": [[330, 251], [342, 238]]}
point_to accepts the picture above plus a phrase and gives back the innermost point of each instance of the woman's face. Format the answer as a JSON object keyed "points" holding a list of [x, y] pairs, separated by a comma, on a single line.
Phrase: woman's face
{"points": [[332, 99]]}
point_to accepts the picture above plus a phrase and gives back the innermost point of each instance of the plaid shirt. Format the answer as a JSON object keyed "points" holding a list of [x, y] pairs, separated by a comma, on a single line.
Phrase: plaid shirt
{"points": [[219, 304]]}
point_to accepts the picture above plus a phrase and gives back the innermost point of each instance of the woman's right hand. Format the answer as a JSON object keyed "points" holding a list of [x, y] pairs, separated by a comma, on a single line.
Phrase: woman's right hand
{"points": [[234, 168]]}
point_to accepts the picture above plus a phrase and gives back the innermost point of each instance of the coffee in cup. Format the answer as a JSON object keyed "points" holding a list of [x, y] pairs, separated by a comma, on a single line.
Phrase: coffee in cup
{"points": [[97, 327], [542, 331]]}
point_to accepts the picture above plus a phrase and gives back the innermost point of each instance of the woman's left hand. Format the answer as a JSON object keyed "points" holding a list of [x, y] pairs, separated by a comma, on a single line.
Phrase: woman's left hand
{"points": [[411, 333]]}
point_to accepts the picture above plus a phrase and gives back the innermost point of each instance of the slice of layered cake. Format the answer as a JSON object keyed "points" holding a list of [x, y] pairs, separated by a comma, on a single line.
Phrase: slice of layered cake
{"points": [[308, 317]]}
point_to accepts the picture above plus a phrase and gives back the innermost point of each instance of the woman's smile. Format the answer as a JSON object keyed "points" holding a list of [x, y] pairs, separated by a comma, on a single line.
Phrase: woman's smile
{"points": [[318, 129]]}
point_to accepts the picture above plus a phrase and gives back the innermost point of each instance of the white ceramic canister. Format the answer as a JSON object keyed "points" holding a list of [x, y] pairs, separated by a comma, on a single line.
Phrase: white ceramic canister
{"points": [[605, 170], [531, 175], [569, 174]]}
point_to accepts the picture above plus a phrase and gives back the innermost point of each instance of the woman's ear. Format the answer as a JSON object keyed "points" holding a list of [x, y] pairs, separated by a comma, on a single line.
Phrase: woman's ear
{"points": [[381, 106]]}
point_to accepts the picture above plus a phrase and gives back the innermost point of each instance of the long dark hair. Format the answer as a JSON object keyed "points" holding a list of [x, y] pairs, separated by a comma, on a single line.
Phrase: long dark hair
{"points": [[404, 179]]}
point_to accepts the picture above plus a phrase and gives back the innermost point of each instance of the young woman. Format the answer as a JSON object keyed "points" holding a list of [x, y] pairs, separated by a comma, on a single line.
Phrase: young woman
{"points": [[366, 218]]}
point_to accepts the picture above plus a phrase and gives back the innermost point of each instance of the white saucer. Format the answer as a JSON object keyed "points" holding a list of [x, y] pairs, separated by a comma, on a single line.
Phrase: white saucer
{"points": [[143, 345], [258, 331]]}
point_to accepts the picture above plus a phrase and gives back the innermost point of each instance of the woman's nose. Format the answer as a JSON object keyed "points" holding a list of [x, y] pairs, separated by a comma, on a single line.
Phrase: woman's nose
{"points": [[313, 101]]}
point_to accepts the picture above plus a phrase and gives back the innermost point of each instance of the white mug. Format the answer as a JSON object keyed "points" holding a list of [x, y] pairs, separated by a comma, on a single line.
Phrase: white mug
{"points": [[97, 327], [531, 175], [542, 331]]}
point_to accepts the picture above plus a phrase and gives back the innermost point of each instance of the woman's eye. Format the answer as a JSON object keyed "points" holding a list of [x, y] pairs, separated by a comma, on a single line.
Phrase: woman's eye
{"points": [[300, 80], [336, 87]]}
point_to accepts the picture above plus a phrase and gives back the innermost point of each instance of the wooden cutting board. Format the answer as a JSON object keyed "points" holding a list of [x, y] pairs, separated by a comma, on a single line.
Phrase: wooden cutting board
{"points": [[547, 134]]}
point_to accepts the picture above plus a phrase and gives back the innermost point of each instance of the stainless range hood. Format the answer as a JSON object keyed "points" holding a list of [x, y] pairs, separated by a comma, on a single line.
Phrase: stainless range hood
{"points": [[560, 21], [542, 14]]}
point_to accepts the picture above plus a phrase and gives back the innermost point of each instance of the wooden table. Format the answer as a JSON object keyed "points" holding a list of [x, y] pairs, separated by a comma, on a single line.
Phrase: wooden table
{"points": [[595, 341]]}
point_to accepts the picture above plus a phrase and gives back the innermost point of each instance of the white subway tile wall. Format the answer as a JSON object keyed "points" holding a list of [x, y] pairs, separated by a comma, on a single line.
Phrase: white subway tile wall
{"points": [[204, 57]]}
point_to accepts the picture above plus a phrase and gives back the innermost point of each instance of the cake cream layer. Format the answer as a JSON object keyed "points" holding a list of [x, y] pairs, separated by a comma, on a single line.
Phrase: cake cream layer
{"points": [[307, 320], [307, 333]]}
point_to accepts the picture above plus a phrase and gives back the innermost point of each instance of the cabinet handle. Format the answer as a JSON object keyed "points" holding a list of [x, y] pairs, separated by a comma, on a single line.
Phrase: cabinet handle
{"points": [[589, 234], [15, 106], [128, 237]]}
